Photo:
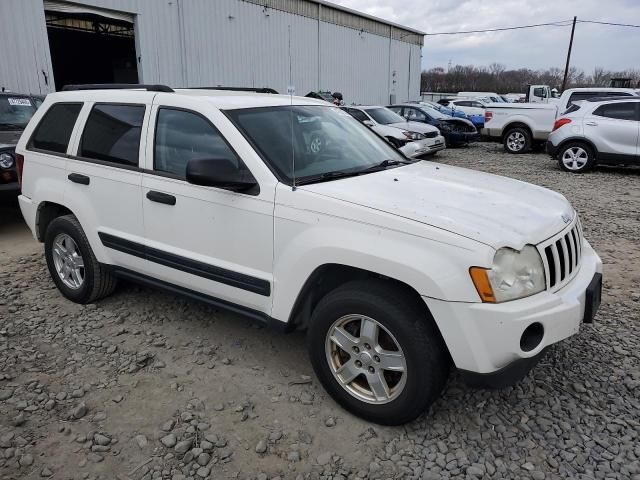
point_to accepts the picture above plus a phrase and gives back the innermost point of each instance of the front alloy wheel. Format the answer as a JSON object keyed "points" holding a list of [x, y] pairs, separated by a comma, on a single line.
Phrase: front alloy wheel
{"points": [[366, 359], [376, 350]]}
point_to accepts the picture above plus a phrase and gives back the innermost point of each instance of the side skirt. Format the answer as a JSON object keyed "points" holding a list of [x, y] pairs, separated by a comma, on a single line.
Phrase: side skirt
{"points": [[255, 315]]}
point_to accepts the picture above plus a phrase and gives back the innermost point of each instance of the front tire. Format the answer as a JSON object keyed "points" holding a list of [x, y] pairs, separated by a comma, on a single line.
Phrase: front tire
{"points": [[576, 157], [517, 140], [377, 351], [72, 265]]}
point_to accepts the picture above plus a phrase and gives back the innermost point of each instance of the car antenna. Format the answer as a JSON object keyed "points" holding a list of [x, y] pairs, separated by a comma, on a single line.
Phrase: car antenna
{"points": [[291, 89]]}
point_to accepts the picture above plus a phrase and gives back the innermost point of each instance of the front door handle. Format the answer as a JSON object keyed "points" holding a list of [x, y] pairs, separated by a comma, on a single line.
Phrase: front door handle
{"points": [[78, 178], [591, 124], [161, 197]]}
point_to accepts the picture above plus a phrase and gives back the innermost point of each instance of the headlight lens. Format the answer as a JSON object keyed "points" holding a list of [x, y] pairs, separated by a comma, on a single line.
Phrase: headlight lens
{"points": [[444, 126], [6, 160], [413, 135], [513, 275]]}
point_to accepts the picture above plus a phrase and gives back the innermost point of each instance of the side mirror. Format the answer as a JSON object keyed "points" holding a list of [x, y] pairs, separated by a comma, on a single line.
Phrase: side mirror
{"points": [[368, 123], [221, 173]]}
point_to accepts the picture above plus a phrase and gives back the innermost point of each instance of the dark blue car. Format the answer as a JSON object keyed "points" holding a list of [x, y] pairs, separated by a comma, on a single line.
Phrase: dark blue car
{"points": [[456, 131]]}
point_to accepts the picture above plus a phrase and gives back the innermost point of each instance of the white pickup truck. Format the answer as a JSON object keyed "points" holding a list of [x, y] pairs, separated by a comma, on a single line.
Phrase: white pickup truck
{"points": [[520, 126]]}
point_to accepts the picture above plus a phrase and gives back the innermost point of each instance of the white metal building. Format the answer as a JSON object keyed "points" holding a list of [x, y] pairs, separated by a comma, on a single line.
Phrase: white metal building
{"points": [[310, 44]]}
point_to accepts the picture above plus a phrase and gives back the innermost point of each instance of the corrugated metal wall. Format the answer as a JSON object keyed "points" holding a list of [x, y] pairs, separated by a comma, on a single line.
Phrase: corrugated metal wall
{"points": [[233, 42]]}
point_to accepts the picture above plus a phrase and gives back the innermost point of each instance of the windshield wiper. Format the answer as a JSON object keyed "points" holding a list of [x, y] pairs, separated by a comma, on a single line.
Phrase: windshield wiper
{"points": [[384, 165], [333, 175]]}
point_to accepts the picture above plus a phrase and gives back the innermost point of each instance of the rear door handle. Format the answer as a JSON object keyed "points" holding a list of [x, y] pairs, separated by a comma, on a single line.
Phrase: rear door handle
{"points": [[161, 197], [591, 124], [78, 178]]}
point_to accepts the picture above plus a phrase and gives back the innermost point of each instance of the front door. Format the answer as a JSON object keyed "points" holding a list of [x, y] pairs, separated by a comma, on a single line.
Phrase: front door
{"points": [[205, 239]]}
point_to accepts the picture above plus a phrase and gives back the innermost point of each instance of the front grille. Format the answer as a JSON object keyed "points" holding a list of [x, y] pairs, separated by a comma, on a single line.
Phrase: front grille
{"points": [[431, 134], [561, 255]]}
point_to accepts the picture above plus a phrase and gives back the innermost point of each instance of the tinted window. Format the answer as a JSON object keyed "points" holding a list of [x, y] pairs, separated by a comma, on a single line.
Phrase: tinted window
{"points": [[358, 114], [181, 136], [463, 104], [621, 111], [54, 130], [112, 134]]}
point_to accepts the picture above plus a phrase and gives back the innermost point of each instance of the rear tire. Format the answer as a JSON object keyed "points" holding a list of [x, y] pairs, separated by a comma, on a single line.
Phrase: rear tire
{"points": [[576, 157], [413, 376], [517, 140], [72, 265]]}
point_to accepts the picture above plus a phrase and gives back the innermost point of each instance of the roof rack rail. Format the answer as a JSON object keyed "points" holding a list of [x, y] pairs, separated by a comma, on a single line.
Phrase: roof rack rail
{"points": [[239, 89], [118, 86]]}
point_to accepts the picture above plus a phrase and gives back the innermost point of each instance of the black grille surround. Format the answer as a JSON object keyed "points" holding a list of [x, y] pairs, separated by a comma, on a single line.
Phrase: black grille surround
{"points": [[562, 255]]}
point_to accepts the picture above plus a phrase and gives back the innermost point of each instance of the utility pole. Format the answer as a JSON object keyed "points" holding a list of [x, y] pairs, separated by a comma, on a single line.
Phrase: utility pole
{"points": [[566, 68]]}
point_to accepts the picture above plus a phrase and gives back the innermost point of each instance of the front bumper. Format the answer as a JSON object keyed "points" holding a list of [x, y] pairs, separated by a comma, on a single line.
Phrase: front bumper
{"points": [[425, 146], [484, 338]]}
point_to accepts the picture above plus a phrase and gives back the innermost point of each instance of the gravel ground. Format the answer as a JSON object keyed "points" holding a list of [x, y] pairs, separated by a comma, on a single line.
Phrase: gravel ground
{"points": [[147, 385]]}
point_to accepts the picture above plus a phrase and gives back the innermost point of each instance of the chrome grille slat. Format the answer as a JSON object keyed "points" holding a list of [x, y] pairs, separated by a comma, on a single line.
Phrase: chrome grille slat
{"points": [[561, 255]]}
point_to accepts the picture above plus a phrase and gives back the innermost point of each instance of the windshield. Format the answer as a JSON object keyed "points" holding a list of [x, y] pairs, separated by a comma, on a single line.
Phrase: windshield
{"points": [[323, 140], [432, 112], [384, 116], [15, 111]]}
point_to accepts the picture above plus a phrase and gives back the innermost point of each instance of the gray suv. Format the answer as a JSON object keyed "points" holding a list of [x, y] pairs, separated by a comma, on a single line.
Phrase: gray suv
{"points": [[597, 131]]}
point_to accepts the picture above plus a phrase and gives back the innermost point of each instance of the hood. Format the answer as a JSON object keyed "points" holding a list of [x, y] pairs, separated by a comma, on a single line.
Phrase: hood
{"points": [[9, 138], [414, 127], [494, 210], [458, 121]]}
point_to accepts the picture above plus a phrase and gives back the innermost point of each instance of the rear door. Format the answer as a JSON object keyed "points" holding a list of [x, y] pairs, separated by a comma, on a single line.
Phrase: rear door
{"points": [[613, 127], [104, 177]]}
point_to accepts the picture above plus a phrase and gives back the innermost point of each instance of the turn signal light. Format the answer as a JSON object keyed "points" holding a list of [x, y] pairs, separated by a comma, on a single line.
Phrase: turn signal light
{"points": [[560, 122], [482, 284], [487, 116]]}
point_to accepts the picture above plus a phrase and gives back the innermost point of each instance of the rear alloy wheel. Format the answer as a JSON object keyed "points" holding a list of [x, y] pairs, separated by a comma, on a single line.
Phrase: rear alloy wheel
{"points": [[517, 140], [376, 350], [72, 263], [576, 158]]}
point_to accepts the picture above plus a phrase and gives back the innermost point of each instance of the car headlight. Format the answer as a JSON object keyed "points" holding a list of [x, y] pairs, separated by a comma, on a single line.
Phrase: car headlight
{"points": [[412, 135], [6, 160], [444, 126], [514, 274]]}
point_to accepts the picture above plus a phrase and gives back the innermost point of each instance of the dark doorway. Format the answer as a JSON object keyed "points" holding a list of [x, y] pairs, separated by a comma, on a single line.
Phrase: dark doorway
{"points": [[87, 48]]}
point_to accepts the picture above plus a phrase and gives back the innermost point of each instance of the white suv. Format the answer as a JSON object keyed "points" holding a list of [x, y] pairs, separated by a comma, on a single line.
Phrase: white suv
{"points": [[597, 131], [396, 268]]}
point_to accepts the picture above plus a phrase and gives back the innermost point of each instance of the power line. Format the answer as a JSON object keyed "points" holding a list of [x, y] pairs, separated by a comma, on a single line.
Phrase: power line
{"points": [[609, 23], [560, 23]]}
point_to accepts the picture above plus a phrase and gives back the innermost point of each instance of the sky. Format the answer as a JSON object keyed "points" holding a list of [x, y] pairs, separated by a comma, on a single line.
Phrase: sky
{"points": [[613, 48]]}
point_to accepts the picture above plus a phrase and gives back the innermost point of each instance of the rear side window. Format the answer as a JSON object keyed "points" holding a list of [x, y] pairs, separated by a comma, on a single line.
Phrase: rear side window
{"points": [[112, 134], [620, 111], [54, 130], [182, 136]]}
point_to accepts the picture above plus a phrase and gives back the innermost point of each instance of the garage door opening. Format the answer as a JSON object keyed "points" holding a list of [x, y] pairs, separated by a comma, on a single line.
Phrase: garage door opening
{"points": [[91, 48]]}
